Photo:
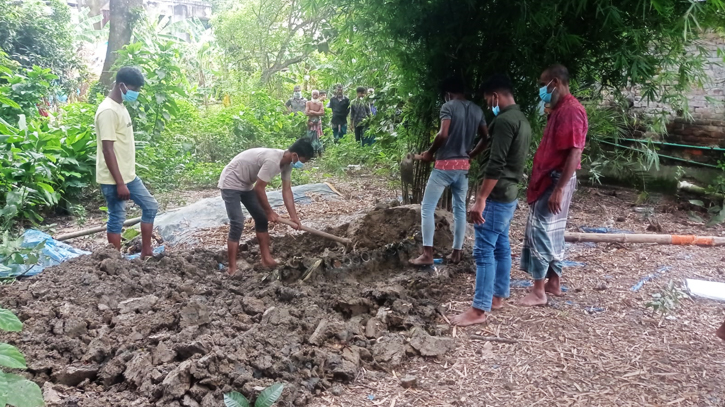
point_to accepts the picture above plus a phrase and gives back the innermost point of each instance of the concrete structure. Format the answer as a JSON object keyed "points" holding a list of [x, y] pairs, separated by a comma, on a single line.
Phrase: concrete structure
{"points": [[178, 10], [706, 105]]}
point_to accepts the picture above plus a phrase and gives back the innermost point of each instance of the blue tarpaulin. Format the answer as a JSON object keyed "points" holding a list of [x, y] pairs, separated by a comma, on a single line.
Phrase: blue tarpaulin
{"points": [[53, 253]]}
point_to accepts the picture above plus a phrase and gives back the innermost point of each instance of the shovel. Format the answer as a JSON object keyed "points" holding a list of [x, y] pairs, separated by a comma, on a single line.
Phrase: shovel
{"points": [[320, 233]]}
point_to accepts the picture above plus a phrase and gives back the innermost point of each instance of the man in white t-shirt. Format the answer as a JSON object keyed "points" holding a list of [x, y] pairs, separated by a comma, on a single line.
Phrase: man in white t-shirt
{"points": [[116, 160], [244, 181]]}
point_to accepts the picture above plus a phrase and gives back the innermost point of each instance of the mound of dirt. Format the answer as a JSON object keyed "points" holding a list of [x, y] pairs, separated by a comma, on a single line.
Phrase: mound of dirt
{"points": [[177, 331]]}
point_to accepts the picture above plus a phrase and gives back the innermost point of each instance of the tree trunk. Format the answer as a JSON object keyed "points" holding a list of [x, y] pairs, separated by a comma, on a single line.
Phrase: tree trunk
{"points": [[122, 21]]}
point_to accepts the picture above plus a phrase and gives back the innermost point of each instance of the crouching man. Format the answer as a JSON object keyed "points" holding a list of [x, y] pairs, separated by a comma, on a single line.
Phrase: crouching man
{"points": [[244, 181]]}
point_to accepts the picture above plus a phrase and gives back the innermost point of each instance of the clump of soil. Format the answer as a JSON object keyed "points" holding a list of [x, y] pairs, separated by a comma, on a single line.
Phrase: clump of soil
{"points": [[177, 331]]}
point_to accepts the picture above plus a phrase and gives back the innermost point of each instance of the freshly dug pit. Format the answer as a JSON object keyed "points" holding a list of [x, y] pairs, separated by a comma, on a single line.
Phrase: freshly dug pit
{"points": [[177, 331]]}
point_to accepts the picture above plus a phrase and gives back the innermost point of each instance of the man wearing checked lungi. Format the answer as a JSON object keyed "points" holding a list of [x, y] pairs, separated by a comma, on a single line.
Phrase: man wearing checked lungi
{"points": [[552, 184]]}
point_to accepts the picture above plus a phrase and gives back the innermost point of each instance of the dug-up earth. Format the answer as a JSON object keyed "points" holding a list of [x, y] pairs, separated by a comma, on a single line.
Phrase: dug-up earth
{"points": [[176, 331]]}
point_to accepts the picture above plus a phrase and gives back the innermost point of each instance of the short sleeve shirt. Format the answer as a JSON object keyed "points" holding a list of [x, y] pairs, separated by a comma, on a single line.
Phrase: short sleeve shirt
{"points": [[466, 117], [253, 164], [297, 105], [113, 123], [566, 128]]}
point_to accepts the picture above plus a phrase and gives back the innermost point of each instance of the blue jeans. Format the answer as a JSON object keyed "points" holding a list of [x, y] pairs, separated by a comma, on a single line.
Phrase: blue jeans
{"points": [[117, 207], [492, 253], [437, 183]]}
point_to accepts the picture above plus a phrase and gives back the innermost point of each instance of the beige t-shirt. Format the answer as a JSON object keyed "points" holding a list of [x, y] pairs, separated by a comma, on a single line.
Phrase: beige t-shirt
{"points": [[114, 123], [248, 166]]}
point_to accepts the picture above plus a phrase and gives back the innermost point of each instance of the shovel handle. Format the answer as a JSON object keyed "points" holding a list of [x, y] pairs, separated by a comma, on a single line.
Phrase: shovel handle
{"points": [[316, 232]]}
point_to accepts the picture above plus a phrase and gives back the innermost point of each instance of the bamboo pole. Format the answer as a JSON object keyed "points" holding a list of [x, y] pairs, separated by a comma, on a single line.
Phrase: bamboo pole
{"points": [[642, 238], [96, 229], [317, 232]]}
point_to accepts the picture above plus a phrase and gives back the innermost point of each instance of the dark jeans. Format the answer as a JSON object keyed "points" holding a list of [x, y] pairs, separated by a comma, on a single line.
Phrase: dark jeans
{"points": [[360, 136], [233, 200]]}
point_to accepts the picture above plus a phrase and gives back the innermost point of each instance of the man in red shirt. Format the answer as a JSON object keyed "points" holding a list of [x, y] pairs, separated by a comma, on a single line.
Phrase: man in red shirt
{"points": [[552, 184]]}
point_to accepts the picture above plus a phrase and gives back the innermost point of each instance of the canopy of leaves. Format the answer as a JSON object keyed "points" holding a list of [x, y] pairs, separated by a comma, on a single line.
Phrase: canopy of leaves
{"points": [[611, 43], [35, 32]]}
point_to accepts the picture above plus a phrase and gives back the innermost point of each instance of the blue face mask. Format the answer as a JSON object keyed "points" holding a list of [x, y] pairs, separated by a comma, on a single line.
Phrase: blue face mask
{"points": [[496, 109], [130, 95], [298, 164], [544, 93]]}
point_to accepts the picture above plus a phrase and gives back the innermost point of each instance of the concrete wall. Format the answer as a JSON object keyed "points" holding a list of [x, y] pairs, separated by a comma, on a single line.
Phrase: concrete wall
{"points": [[707, 105]]}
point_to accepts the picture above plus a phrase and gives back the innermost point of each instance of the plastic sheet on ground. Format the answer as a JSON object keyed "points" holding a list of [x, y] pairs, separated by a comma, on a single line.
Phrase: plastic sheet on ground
{"points": [[180, 225], [587, 229], [53, 253], [711, 290], [649, 277]]}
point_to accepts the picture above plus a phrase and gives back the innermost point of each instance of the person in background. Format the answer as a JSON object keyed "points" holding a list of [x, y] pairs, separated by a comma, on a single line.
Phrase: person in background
{"points": [[371, 96], [244, 181], [323, 96], [461, 119], [496, 200], [552, 185], [340, 106], [359, 112], [116, 161], [314, 110], [296, 103]]}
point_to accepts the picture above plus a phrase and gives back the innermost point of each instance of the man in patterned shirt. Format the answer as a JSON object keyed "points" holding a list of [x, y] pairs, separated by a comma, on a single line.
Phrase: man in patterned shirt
{"points": [[461, 119], [552, 184]]}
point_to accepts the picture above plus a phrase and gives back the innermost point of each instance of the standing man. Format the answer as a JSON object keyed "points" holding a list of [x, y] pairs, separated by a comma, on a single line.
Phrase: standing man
{"points": [[371, 96], [552, 184], [116, 160], [460, 121], [244, 181], [296, 103], [340, 106], [323, 96], [314, 110], [496, 200], [359, 112]]}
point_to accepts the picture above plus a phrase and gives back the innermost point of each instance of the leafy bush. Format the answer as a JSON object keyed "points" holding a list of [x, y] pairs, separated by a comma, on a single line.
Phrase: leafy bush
{"points": [[15, 390], [40, 165], [266, 398]]}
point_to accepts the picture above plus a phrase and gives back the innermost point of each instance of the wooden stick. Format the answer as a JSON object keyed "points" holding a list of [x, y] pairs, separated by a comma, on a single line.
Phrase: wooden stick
{"points": [[317, 232], [493, 339], [96, 229], [642, 238]]}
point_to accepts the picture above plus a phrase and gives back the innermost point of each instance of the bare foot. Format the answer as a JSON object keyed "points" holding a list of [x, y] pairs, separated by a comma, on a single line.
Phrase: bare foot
{"points": [[721, 332], [422, 260], [533, 299], [553, 288], [455, 256], [145, 254], [269, 263], [472, 316], [553, 285], [496, 303]]}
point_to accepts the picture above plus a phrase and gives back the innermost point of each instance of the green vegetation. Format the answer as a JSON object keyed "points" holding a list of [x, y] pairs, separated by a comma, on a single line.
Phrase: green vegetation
{"points": [[214, 89], [15, 390], [266, 398]]}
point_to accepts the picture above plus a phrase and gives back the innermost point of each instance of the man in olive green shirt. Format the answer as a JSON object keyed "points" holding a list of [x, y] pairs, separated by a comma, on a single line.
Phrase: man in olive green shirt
{"points": [[496, 200]]}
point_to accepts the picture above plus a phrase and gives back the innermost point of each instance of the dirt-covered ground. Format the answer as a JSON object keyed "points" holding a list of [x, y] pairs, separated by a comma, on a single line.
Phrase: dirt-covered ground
{"points": [[358, 327]]}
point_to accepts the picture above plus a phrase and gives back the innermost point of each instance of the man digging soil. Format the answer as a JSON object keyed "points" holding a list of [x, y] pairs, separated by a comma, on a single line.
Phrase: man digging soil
{"points": [[244, 181]]}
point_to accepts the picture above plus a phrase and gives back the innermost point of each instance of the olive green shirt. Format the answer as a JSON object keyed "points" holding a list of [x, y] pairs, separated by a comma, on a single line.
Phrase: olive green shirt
{"points": [[507, 151]]}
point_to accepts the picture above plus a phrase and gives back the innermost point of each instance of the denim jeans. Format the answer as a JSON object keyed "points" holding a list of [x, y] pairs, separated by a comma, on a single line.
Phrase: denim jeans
{"points": [[437, 183], [492, 253], [117, 207]]}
